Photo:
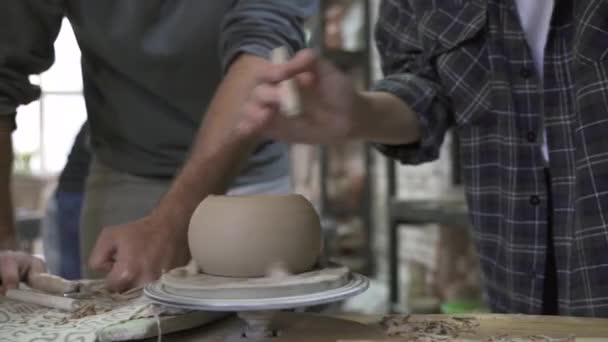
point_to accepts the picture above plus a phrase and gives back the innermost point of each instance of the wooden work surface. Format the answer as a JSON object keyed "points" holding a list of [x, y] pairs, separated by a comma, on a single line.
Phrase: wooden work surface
{"points": [[520, 327], [584, 329]]}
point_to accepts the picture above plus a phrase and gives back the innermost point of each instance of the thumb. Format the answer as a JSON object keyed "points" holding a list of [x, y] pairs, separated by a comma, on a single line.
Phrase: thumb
{"points": [[102, 257], [306, 60], [36, 266], [121, 278]]}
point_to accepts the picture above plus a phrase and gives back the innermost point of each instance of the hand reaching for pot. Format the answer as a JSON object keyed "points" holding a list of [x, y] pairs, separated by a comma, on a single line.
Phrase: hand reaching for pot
{"points": [[137, 253], [16, 267]]}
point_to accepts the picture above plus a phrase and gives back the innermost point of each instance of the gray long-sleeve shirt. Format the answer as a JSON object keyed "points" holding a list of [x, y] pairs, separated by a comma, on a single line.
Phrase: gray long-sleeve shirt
{"points": [[150, 68]]}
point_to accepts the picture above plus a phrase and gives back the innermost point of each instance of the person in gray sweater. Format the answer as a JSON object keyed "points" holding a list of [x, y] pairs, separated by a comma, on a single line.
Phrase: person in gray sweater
{"points": [[163, 84]]}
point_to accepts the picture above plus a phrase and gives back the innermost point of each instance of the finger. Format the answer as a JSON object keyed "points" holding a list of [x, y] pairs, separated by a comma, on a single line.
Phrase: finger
{"points": [[102, 257], [121, 278], [36, 266], [146, 279], [9, 273], [266, 94], [255, 119], [304, 61], [306, 79]]}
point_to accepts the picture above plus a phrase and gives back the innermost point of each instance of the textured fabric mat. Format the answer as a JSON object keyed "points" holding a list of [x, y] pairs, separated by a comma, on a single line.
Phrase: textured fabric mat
{"points": [[103, 317]]}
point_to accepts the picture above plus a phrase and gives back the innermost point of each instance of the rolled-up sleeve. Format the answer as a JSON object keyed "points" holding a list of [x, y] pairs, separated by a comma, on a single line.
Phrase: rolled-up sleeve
{"points": [[28, 29], [256, 27], [411, 76]]}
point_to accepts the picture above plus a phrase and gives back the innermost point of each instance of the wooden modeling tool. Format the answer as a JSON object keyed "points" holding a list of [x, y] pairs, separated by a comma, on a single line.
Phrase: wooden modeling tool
{"points": [[48, 290], [43, 299], [52, 284], [290, 99]]}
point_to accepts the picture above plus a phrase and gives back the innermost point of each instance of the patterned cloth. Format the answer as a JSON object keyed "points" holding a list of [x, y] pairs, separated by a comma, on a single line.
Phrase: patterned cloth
{"points": [[466, 64], [112, 319]]}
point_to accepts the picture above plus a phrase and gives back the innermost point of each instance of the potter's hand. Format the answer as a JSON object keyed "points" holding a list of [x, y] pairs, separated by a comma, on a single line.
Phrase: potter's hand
{"points": [[330, 105], [137, 253], [16, 267]]}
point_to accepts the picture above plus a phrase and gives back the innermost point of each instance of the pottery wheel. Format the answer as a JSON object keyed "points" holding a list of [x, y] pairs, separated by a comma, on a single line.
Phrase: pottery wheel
{"points": [[290, 327], [211, 293]]}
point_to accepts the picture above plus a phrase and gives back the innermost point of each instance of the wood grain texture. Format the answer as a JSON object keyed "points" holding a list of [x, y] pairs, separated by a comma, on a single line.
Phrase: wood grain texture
{"points": [[583, 329]]}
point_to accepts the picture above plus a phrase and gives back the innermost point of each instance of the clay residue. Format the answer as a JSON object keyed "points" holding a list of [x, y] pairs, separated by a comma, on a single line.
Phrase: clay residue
{"points": [[88, 309], [277, 270], [96, 299], [531, 338], [428, 330], [449, 329]]}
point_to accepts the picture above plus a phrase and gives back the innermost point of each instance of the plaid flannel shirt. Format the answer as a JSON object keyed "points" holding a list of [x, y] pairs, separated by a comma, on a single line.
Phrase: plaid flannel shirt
{"points": [[466, 64]]}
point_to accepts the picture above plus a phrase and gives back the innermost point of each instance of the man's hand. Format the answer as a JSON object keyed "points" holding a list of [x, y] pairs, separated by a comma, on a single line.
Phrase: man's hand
{"points": [[16, 267], [136, 253], [332, 110], [328, 97]]}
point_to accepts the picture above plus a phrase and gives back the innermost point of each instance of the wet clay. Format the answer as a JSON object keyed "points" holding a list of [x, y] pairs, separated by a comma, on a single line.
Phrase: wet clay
{"points": [[244, 236], [207, 286]]}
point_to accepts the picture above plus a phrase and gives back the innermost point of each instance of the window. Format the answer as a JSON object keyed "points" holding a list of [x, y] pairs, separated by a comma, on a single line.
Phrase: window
{"points": [[46, 128]]}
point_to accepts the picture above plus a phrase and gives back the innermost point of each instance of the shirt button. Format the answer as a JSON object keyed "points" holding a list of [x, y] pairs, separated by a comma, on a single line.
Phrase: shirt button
{"points": [[531, 136], [525, 72], [534, 200]]}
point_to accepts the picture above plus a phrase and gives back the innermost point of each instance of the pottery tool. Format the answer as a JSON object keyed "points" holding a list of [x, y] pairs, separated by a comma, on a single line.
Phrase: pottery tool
{"points": [[43, 299], [290, 99], [52, 284], [49, 291]]}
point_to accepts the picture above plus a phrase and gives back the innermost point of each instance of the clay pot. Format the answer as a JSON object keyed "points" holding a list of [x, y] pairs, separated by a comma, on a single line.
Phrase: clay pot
{"points": [[246, 236]]}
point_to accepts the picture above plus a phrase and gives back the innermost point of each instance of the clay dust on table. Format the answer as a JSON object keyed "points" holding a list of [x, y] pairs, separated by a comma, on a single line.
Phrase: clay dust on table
{"points": [[97, 300], [450, 329], [429, 330], [532, 338]]}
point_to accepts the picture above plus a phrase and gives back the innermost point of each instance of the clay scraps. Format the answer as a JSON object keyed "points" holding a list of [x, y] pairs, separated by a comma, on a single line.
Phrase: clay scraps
{"points": [[417, 330], [533, 338], [428, 330]]}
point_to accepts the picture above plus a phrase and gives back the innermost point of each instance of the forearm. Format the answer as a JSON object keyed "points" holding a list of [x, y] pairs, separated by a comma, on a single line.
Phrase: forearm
{"points": [[385, 118], [217, 154], [7, 226]]}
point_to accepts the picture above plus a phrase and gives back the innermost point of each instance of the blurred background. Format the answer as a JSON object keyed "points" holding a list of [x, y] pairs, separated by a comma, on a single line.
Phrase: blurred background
{"points": [[405, 227]]}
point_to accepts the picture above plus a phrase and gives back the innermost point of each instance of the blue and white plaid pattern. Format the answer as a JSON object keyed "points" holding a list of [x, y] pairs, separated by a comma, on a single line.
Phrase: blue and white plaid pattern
{"points": [[466, 64]]}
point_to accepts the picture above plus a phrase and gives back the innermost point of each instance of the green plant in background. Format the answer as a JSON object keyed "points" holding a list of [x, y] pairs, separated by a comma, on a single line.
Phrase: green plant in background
{"points": [[22, 162]]}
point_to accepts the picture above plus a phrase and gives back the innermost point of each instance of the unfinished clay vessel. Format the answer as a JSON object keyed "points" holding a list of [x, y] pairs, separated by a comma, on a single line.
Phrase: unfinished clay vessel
{"points": [[247, 236]]}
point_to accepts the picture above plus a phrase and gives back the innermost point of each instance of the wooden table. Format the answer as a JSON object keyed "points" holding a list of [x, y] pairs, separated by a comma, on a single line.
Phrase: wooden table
{"points": [[583, 329]]}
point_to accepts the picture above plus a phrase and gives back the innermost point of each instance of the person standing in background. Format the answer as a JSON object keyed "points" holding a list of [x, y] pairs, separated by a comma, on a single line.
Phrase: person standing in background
{"points": [[61, 224], [525, 85]]}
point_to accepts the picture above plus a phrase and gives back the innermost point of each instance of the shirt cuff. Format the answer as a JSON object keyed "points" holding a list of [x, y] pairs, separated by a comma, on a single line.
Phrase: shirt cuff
{"points": [[422, 97], [259, 49], [257, 27]]}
